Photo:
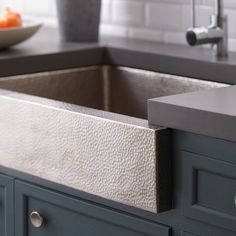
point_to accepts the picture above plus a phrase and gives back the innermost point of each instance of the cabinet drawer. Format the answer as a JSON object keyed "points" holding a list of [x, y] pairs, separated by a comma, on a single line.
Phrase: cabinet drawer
{"points": [[209, 190], [63, 215], [6, 206]]}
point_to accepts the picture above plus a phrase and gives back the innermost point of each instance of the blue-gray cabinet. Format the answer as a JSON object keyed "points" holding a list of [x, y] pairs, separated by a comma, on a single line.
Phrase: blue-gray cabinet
{"points": [[210, 190], [6, 206], [187, 234], [61, 215], [208, 169]]}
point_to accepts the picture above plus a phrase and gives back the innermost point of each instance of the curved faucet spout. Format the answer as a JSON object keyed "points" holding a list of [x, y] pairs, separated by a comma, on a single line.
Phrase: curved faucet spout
{"points": [[215, 33], [204, 35]]}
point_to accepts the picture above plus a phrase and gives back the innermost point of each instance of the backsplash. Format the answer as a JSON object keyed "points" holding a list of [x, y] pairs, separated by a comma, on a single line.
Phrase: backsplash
{"points": [[154, 20]]}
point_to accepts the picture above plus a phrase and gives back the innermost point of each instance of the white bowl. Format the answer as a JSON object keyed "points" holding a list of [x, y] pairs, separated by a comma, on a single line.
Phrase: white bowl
{"points": [[15, 35]]}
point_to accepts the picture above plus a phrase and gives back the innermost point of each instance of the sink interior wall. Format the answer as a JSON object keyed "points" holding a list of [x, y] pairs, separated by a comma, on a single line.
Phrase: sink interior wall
{"points": [[82, 87], [116, 89]]}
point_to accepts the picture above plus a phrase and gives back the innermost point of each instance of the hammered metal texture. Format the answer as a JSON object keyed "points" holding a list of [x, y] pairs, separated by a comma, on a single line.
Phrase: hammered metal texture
{"points": [[131, 88], [107, 154], [82, 86], [103, 157]]}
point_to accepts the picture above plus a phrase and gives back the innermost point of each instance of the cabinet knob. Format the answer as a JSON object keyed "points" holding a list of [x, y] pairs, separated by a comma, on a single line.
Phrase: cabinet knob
{"points": [[36, 219]]}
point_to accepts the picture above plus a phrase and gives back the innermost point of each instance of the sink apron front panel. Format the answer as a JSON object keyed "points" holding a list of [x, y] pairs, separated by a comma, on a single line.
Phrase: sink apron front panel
{"points": [[111, 159]]}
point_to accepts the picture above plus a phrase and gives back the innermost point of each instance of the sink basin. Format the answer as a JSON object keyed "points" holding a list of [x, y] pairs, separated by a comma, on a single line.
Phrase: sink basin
{"points": [[119, 90], [87, 128]]}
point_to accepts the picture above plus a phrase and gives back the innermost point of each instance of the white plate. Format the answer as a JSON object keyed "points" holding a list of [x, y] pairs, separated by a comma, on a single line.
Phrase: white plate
{"points": [[13, 36]]}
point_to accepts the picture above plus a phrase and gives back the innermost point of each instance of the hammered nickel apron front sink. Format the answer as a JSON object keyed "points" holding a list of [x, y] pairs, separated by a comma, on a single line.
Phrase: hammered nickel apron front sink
{"points": [[87, 128]]}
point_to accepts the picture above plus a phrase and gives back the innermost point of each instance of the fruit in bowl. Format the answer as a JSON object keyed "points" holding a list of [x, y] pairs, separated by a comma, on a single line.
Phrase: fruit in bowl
{"points": [[9, 19], [14, 29]]}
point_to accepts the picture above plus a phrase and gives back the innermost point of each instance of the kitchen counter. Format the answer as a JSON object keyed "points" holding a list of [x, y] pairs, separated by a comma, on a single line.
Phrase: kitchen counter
{"points": [[210, 113]]}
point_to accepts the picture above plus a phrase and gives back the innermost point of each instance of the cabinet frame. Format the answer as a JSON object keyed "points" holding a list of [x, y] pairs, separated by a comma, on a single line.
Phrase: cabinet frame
{"points": [[7, 204]]}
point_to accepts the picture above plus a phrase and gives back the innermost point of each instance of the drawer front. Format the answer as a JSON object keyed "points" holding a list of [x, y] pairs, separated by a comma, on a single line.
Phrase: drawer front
{"points": [[209, 190], [63, 215], [6, 206]]}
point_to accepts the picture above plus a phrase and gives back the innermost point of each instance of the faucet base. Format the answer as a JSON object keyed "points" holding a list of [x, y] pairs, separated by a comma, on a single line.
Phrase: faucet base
{"points": [[222, 45]]}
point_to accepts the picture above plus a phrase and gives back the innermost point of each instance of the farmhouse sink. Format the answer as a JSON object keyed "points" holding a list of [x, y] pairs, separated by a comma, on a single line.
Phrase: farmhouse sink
{"points": [[87, 128]]}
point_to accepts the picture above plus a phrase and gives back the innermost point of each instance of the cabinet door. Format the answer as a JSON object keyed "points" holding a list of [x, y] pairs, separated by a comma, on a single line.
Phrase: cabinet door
{"points": [[6, 206], [61, 215], [209, 190]]}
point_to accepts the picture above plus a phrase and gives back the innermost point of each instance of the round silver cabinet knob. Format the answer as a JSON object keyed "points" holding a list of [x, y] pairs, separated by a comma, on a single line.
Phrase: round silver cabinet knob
{"points": [[36, 219]]}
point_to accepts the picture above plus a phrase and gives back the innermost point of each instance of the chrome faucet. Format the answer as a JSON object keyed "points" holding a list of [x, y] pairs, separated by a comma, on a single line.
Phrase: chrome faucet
{"points": [[216, 33]]}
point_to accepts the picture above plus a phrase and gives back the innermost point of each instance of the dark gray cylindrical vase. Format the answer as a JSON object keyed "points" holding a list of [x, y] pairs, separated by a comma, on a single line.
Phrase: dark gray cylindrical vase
{"points": [[79, 19]]}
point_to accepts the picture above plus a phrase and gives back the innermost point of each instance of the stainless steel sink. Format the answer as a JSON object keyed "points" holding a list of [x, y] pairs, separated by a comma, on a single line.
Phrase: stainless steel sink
{"points": [[91, 132]]}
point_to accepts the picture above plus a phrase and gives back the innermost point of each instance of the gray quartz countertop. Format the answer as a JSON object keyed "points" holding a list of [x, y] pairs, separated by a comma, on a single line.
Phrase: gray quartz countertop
{"points": [[211, 112]]}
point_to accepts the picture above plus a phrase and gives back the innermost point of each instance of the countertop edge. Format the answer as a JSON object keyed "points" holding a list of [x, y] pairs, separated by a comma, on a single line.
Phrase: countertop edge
{"points": [[192, 120]]}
